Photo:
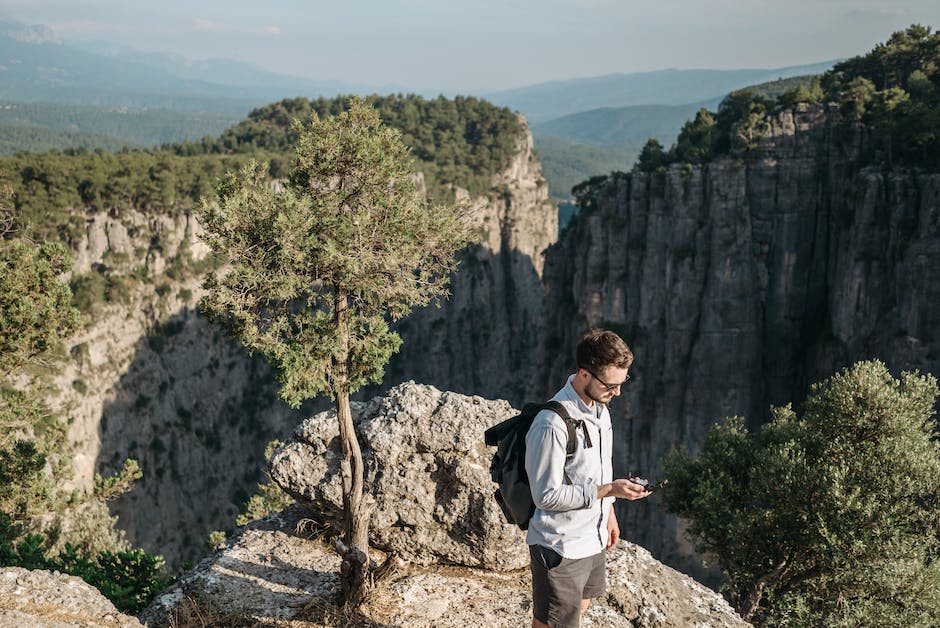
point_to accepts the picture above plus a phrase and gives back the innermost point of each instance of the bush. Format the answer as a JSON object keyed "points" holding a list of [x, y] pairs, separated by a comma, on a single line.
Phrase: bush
{"points": [[829, 518]]}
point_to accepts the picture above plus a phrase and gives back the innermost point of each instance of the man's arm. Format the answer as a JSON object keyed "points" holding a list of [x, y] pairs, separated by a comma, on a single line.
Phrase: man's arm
{"points": [[613, 529], [545, 465]]}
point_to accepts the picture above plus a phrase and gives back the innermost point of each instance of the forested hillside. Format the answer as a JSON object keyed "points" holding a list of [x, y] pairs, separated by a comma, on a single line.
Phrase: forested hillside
{"points": [[894, 90], [455, 142], [40, 127]]}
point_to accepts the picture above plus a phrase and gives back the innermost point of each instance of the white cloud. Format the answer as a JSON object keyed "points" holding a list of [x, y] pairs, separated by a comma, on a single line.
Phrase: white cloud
{"points": [[272, 30], [206, 25]]}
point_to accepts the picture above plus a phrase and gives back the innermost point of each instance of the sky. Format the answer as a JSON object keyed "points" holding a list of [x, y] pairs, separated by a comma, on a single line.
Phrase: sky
{"points": [[483, 45]]}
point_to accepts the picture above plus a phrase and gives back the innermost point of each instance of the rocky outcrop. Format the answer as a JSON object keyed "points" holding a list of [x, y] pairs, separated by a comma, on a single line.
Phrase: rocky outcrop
{"points": [[274, 571], [740, 282], [426, 468], [44, 599]]}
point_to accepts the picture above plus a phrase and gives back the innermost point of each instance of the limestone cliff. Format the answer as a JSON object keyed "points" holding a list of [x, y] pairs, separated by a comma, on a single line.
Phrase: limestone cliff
{"points": [[482, 340], [740, 282], [150, 378]]}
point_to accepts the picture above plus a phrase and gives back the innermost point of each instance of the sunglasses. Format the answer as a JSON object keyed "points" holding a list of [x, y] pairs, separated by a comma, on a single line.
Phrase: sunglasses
{"points": [[607, 387]]}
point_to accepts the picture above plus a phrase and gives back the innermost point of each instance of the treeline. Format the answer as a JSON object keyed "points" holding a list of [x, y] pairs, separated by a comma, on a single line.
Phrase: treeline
{"points": [[37, 139], [894, 90], [460, 141], [52, 191]]}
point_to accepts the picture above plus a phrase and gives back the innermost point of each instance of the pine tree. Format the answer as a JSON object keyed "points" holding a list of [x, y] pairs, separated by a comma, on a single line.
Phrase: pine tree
{"points": [[831, 518]]}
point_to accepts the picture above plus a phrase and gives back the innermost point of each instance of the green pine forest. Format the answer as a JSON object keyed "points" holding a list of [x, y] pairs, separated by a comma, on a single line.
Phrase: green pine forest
{"points": [[454, 142]]}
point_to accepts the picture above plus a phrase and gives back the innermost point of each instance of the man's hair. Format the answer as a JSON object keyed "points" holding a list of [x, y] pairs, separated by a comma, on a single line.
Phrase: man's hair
{"points": [[599, 349]]}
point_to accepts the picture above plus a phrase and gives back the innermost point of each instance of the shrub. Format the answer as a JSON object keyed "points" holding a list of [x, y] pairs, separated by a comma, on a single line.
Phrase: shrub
{"points": [[829, 518]]}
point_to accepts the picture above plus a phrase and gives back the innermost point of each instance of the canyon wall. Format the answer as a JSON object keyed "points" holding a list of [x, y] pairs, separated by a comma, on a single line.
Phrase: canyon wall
{"points": [[739, 283], [150, 378]]}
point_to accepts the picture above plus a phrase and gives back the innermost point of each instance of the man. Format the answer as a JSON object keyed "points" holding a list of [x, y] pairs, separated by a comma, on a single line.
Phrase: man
{"points": [[574, 522]]}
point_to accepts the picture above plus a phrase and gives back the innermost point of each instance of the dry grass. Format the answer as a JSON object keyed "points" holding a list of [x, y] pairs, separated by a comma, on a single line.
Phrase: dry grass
{"points": [[194, 611]]}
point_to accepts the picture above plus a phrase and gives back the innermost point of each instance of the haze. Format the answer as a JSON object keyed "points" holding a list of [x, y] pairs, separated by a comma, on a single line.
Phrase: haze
{"points": [[484, 44]]}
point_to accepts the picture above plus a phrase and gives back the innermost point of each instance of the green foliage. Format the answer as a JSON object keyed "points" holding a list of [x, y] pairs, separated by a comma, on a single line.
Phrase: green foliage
{"points": [[35, 307], [652, 157], [117, 485], [36, 315], [216, 541], [830, 518], [54, 190], [698, 139], [351, 233], [129, 578], [37, 127], [456, 142], [894, 90]]}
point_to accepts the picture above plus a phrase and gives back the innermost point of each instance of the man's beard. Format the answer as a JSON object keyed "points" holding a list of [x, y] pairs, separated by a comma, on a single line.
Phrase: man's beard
{"points": [[598, 399]]}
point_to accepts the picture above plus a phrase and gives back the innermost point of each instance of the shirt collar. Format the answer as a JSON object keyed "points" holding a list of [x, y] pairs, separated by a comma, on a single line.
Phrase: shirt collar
{"points": [[572, 395]]}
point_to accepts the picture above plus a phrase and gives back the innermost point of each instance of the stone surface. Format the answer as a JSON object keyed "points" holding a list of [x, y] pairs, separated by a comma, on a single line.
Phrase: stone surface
{"points": [[44, 599], [741, 282], [268, 571], [427, 469], [271, 573]]}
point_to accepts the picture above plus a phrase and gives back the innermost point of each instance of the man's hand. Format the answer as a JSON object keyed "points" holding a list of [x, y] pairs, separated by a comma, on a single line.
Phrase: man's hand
{"points": [[613, 529], [623, 489]]}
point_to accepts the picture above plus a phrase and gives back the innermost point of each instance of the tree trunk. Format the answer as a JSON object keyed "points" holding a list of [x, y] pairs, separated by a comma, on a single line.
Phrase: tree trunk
{"points": [[750, 605], [355, 546]]}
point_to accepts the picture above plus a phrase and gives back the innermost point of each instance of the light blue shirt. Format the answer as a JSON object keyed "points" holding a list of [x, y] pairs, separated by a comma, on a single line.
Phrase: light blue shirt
{"points": [[569, 518]]}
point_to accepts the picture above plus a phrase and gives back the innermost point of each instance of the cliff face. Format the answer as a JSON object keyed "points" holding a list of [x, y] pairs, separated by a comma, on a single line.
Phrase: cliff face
{"points": [[150, 378], [484, 338], [741, 282]]}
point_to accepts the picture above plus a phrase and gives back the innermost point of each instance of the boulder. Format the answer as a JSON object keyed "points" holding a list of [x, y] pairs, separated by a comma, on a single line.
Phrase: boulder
{"points": [[49, 599], [427, 469]]}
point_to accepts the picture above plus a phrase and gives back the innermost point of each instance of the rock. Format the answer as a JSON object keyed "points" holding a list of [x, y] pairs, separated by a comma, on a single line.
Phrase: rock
{"points": [[49, 599], [427, 468], [269, 572], [740, 282]]}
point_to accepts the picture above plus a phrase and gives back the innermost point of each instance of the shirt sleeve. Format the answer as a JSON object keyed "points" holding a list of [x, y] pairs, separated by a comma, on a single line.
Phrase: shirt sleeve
{"points": [[545, 449]]}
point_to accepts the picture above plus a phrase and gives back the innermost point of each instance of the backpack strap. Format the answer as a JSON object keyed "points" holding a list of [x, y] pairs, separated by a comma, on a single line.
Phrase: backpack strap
{"points": [[559, 409]]}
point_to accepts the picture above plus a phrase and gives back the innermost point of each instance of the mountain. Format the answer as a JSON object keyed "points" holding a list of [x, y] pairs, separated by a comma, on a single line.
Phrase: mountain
{"points": [[37, 66], [582, 145], [619, 126], [546, 101], [148, 377]]}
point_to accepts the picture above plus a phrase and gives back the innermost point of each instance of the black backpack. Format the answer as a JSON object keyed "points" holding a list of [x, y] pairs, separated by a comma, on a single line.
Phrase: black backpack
{"points": [[508, 466]]}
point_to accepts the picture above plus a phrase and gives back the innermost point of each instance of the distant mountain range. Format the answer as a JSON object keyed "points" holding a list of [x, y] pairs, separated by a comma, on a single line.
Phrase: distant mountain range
{"points": [[582, 126], [36, 67], [547, 101]]}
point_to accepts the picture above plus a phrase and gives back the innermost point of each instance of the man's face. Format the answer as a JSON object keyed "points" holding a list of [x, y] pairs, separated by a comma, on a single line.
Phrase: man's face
{"points": [[605, 384]]}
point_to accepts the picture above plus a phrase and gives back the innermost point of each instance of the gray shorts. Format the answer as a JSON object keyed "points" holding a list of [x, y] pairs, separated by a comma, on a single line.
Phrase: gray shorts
{"points": [[559, 584]]}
